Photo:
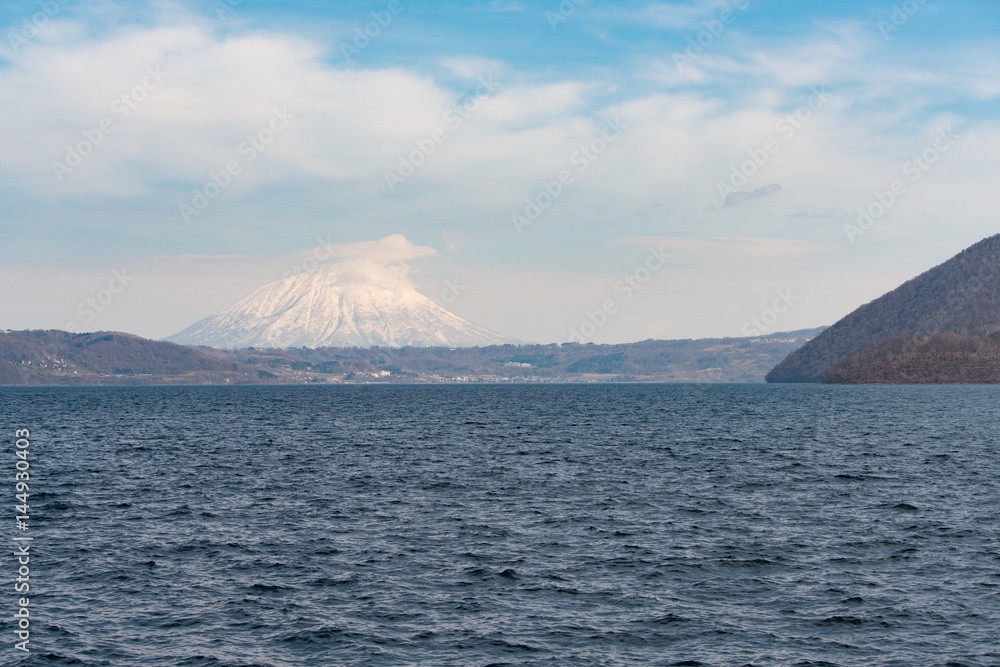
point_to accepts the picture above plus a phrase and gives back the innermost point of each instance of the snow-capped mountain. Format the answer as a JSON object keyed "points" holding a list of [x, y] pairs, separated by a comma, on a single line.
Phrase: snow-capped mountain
{"points": [[357, 305]]}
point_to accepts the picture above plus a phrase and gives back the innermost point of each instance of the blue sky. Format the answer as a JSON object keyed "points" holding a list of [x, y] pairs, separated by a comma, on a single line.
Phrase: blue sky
{"points": [[874, 85]]}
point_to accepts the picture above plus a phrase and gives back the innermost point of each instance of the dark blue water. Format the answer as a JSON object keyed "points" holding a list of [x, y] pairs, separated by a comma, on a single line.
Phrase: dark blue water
{"points": [[510, 525]]}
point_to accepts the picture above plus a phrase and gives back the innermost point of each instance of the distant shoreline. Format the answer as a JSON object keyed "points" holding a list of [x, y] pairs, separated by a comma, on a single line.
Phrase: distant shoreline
{"points": [[58, 358]]}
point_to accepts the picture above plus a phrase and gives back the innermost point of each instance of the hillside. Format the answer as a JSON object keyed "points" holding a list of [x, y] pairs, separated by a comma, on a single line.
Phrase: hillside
{"points": [[60, 358], [941, 359], [960, 296]]}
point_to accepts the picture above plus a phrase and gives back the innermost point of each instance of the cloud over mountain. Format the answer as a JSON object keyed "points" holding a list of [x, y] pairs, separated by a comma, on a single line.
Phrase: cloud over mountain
{"points": [[360, 296]]}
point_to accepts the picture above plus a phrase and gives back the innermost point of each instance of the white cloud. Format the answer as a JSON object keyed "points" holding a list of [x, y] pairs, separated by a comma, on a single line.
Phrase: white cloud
{"points": [[216, 92], [391, 249], [679, 15], [351, 124], [472, 67]]}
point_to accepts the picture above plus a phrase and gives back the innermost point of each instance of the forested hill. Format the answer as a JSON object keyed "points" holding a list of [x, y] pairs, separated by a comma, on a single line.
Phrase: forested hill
{"points": [[960, 296], [941, 359], [60, 357]]}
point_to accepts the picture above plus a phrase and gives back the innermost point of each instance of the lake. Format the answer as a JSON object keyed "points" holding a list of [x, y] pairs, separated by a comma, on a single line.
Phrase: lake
{"points": [[508, 525]]}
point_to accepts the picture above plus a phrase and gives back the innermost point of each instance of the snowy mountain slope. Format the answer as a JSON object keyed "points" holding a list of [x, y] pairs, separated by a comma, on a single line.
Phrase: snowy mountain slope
{"points": [[358, 305]]}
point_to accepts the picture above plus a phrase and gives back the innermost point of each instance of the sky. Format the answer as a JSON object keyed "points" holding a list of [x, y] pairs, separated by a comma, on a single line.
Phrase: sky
{"points": [[600, 171]]}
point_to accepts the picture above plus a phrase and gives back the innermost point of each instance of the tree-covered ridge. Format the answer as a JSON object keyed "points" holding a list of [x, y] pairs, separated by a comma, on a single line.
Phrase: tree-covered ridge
{"points": [[29, 355], [941, 359], [960, 296]]}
